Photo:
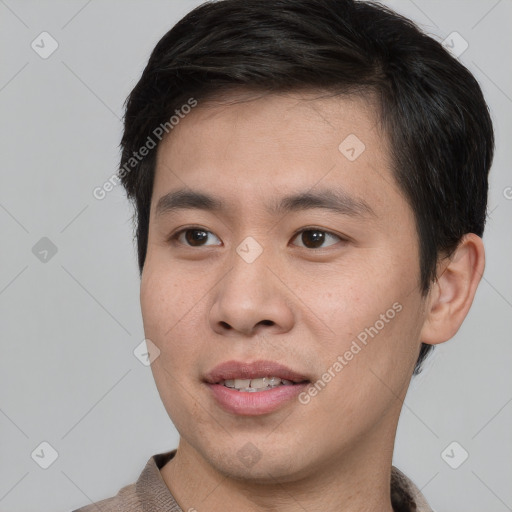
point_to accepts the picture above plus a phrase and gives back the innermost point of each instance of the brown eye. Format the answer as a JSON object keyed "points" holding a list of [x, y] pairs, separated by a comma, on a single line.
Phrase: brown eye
{"points": [[194, 237], [314, 238]]}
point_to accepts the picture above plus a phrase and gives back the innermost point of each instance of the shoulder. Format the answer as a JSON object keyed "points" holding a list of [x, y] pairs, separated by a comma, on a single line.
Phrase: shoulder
{"points": [[405, 495], [126, 500], [149, 492]]}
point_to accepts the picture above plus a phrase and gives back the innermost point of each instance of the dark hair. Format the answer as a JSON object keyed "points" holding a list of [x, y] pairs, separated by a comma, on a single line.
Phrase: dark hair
{"points": [[431, 106]]}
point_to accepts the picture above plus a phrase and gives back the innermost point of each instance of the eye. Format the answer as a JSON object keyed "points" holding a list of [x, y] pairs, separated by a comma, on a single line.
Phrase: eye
{"points": [[193, 237], [313, 238]]}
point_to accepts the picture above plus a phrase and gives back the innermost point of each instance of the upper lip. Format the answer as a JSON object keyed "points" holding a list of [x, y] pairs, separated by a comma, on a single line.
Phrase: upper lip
{"points": [[230, 370]]}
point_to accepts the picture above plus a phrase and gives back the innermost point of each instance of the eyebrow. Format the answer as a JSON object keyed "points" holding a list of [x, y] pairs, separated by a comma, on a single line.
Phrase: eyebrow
{"points": [[338, 201]]}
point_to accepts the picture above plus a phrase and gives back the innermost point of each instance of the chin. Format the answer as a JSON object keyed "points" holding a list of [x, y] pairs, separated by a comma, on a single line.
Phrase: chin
{"points": [[258, 466]]}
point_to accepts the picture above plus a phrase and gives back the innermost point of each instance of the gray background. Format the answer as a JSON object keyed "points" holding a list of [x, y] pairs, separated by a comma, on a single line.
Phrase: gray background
{"points": [[69, 325]]}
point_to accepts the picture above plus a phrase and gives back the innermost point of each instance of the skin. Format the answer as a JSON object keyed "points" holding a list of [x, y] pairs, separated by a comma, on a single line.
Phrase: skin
{"points": [[300, 306]]}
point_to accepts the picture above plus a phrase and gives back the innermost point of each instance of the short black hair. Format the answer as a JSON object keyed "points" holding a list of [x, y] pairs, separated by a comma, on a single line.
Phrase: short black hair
{"points": [[431, 106]]}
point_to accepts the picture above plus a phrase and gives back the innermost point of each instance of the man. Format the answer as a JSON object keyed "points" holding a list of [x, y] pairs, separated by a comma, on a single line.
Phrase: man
{"points": [[310, 185]]}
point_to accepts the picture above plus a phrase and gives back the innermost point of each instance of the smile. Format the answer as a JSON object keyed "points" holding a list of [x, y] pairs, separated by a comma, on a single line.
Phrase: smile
{"points": [[257, 384]]}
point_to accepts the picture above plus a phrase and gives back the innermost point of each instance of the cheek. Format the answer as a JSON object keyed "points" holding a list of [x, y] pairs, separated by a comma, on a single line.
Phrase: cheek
{"points": [[170, 315], [171, 312], [375, 304], [167, 299], [349, 297]]}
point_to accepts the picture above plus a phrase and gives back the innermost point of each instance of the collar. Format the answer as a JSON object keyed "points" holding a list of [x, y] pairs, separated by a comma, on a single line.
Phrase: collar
{"points": [[153, 492]]}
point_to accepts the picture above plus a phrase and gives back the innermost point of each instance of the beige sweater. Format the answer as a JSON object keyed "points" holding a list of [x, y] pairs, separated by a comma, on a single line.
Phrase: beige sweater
{"points": [[151, 494]]}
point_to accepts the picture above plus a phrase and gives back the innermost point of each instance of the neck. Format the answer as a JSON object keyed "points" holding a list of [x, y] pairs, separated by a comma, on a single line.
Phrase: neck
{"points": [[357, 480]]}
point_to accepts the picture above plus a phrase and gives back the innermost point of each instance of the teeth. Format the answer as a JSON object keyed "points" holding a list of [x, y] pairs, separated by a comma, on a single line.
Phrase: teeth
{"points": [[258, 384], [242, 383]]}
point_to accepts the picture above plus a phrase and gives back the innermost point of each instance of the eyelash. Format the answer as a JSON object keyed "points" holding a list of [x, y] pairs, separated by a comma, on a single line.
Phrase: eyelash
{"points": [[175, 236]]}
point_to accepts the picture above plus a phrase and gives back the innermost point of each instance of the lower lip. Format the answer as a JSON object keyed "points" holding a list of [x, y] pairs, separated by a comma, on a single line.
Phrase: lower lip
{"points": [[254, 403]]}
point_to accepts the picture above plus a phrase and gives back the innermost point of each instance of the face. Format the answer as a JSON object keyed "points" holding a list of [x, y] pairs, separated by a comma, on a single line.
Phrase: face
{"points": [[280, 246]]}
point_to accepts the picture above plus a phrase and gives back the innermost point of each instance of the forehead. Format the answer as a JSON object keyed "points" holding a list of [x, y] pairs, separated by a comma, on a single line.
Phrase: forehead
{"points": [[253, 144]]}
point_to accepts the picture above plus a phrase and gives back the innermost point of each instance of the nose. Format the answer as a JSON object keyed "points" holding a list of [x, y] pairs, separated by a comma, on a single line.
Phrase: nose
{"points": [[252, 299]]}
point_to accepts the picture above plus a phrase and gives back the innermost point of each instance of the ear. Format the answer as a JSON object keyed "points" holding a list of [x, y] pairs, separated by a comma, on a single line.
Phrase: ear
{"points": [[452, 294]]}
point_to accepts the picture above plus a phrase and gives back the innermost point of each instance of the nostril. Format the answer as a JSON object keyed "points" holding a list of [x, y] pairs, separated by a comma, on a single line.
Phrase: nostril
{"points": [[267, 322]]}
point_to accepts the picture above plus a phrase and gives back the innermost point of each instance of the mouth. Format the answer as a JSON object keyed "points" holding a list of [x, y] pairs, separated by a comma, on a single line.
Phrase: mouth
{"points": [[254, 376], [257, 384], [254, 388]]}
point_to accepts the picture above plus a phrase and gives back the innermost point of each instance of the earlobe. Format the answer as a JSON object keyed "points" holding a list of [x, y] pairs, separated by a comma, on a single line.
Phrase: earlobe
{"points": [[453, 292]]}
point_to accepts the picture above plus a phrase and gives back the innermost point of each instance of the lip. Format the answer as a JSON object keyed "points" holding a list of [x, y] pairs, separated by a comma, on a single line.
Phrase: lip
{"points": [[243, 370], [245, 403], [253, 403]]}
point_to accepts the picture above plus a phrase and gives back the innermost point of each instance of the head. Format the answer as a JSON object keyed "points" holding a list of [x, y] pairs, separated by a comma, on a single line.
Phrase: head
{"points": [[264, 96]]}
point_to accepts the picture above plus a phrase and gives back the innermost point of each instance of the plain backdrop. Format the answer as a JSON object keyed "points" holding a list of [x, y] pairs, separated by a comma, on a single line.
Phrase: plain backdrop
{"points": [[69, 285]]}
